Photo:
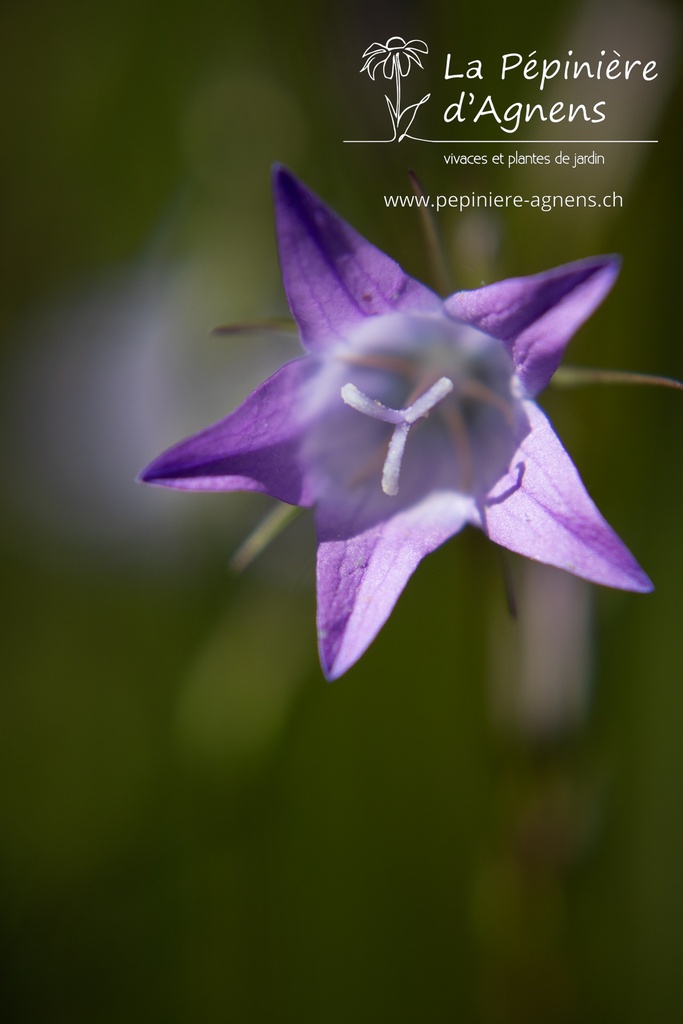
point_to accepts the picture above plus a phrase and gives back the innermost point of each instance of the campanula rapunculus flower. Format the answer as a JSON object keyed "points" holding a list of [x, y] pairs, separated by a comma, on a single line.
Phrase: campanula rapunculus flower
{"points": [[408, 417]]}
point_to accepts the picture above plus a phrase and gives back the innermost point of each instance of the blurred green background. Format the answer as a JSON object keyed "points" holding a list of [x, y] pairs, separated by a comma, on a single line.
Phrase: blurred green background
{"points": [[483, 821]]}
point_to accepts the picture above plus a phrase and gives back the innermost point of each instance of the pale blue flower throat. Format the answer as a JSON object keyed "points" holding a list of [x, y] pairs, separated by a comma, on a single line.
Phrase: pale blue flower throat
{"points": [[402, 420]]}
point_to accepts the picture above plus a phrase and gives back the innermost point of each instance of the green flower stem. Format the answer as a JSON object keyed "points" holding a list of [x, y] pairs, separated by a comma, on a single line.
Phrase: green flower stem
{"points": [[577, 376], [267, 530], [435, 249]]}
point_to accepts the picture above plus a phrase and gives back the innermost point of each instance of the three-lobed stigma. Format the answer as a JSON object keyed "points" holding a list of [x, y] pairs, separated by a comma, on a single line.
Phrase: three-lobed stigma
{"points": [[402, 420]]}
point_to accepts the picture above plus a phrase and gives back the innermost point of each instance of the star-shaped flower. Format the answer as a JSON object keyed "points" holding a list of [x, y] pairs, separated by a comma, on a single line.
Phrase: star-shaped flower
{"points": [[407, 418]]}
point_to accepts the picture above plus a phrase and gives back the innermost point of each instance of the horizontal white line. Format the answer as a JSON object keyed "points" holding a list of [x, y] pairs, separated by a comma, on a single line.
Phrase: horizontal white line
{"points": [[517, 142]]}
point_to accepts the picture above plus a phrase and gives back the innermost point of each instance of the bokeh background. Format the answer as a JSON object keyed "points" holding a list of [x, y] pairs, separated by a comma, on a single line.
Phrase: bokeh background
{"points": [[483, 821]]}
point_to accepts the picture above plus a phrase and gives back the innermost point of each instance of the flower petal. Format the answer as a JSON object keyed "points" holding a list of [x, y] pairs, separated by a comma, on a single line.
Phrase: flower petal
{"points": [[255, 448], [402, 62], [541, 509], [414, 57], [373, 62], [417, 44], [374, 48], [333, 277], [361, 576], [536, 316]]}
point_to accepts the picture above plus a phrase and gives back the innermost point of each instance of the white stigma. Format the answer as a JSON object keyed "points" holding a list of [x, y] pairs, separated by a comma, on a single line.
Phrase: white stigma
{"points": [[402, 419]]}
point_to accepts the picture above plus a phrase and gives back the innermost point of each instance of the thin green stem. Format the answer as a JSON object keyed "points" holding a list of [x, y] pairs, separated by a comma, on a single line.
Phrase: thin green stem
{"points": [[577, 376], [435, 249], [267, 530], [255, 326]]}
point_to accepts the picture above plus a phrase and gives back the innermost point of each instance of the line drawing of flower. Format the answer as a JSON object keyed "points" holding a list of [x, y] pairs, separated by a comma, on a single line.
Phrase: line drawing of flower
{"points": [[396, 58], [408, 417]]}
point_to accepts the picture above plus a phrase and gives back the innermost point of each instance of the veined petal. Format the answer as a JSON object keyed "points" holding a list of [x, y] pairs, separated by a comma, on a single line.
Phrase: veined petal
{"points": [[417, 44], [373, 62], [402, 62], [374, 48], [255, 448], [361, 576], [536, 316], [333, 277], [541, 509]]}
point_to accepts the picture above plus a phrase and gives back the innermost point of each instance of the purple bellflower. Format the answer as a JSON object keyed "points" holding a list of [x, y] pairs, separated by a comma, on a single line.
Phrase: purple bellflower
{"points": [[408, 417]]}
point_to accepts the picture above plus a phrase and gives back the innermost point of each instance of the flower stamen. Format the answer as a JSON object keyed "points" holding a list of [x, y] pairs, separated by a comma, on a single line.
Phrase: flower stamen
{"points": [[457, 429], [472, 388], [385, 362], [402, 420]]}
